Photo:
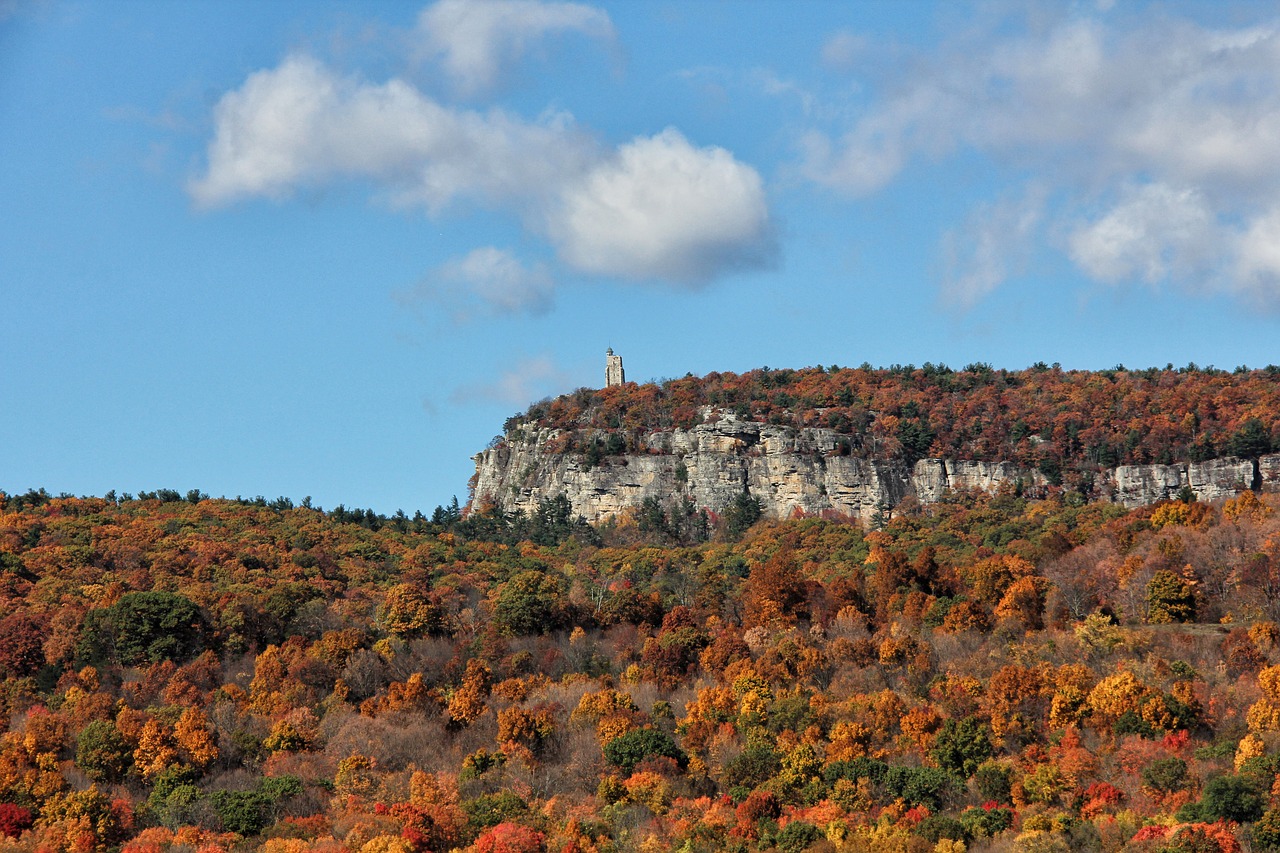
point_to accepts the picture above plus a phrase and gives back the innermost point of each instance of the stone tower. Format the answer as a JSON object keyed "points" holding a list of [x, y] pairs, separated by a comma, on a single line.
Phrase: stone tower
{"points": [[613, 374]]}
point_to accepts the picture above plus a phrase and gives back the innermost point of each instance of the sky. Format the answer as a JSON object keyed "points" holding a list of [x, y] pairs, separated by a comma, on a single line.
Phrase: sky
{"points": [[325, 249]]}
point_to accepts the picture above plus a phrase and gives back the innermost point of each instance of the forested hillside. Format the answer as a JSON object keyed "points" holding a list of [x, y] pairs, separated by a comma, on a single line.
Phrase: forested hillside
{"points": [[1043, 417], [984, 673]]}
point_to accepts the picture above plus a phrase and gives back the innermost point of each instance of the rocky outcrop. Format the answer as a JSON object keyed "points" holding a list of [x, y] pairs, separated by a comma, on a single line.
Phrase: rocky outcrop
{"points": [[1269, 473], [797, 469], [1141, 485], [711, 464], [932, 478]]}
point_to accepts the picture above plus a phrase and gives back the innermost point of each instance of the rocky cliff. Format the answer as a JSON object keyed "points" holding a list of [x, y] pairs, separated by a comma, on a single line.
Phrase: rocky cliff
{"points": [[788, 469]]}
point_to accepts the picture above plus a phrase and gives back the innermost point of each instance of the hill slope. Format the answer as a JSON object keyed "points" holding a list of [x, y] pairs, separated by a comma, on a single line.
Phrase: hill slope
{"points": [[859, 441], [230, 677]]}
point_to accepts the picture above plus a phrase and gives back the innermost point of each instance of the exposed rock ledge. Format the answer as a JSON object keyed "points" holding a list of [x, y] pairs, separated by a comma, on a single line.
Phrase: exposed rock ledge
{"points": [[789, 469]]}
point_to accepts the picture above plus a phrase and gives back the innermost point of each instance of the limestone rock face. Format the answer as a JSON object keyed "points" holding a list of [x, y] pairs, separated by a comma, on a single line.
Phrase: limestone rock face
{"points": [[711, 464], [790, 469], [1141, 485], [1220, 478], [1269, 473]]}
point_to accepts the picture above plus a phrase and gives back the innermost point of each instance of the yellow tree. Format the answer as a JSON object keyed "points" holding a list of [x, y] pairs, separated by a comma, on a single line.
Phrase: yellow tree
{"points": [[194, 740], [1264, 715], [356, 776], [1069, 706], [1023, 602], [848, 740], [407, 612], [467, 704], [155, 752], [1115, 695]]}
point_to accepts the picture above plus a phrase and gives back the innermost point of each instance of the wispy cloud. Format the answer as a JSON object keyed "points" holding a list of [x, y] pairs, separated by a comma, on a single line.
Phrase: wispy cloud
{"points": [[1256, 253], [992, 245], [842, 49], [1154, 136], [476, 41], [528, 380], [485, 281]]}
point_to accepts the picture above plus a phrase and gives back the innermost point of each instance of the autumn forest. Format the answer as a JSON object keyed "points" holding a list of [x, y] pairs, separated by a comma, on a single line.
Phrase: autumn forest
{"points": [[1064, 422], [990, 672]]}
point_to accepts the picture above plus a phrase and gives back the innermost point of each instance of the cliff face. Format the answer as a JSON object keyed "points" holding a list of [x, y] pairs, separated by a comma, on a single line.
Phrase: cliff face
{"points": [[789, 469]]}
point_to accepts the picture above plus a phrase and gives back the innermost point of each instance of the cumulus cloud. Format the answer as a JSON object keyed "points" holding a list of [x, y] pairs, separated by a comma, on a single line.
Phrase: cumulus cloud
{"points": [[663, 209], [301, 125], [486, 280], [476, 40], [530, 379], [1155, 136], [656, 208], [1153, 233]]}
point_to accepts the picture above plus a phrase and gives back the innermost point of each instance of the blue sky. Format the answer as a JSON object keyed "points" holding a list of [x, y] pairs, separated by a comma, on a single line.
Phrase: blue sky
{"points": [[325, 249]]}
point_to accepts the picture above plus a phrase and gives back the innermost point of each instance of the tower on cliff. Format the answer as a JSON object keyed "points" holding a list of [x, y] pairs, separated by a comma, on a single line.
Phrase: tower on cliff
{"points": [[613, 374]]}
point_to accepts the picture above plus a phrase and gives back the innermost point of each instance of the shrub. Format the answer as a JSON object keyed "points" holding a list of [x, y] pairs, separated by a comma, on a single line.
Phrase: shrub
{"points": [[1238, 798], [489, 810], [628, 750], [1165, 775], [796, 837], [14, 820], [144, 627], [511, 838], [961, 746], [102, 752]]}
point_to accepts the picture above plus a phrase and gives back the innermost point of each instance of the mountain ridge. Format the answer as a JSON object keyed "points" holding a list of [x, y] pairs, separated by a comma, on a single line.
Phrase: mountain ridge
{"points": [[858, 441]]}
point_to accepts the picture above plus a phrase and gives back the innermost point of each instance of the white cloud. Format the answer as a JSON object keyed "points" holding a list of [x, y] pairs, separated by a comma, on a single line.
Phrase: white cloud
{"points": [[529, 379], [992, 246], [1258, 258], [872, 153], [1154, 233], [476, 40], [502, 281], [1170, 125], [842, 50], [656, 208], [778, 87], [486, 280], [1215, 120], [663, 209], [302, 125]]}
